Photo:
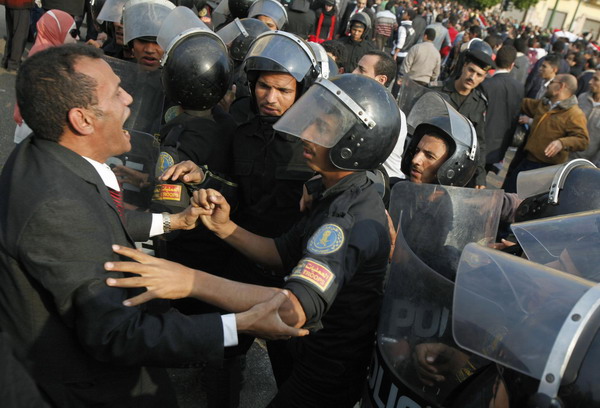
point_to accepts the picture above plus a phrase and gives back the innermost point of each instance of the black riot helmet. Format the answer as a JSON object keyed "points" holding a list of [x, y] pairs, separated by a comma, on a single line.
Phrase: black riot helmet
{"points": [[197, 71], [558, 190], [432, 114], [239, 35], [352, 115], [327, 65], [144, 18], [364, 19], [239, 8], [269, 8], [279, 51]]}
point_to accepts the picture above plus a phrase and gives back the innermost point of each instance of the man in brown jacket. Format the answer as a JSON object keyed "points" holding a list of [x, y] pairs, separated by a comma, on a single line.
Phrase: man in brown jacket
{"points": [[558, 126]]}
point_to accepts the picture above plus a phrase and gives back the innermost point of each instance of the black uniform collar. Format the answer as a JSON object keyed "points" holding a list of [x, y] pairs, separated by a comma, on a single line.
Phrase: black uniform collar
{"points": [[358, 178]]}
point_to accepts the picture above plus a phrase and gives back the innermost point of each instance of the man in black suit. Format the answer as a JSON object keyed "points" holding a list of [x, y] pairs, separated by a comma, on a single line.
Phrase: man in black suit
{"points": [[504, 94], [58, 220]]}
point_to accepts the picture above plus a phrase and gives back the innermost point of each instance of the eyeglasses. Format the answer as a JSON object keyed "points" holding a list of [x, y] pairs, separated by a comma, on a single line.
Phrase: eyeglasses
{"points": [[74, 33]]}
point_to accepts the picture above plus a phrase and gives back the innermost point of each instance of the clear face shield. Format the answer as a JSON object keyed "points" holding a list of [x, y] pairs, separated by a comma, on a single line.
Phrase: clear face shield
{"points": [[144, 18], [323, 115], [525, 316], [232, 31], [269, 8], [180, 23], [111, 11], [282, 48], [566, 243], [432, 105], [548, 179]]}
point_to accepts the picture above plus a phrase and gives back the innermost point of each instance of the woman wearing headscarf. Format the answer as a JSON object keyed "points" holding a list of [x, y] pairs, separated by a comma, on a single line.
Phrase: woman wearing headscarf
{"points": [[54, 28]]}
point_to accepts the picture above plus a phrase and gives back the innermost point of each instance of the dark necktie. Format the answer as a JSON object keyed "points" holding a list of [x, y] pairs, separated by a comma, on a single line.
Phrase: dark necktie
{"points": [[117, 197]]}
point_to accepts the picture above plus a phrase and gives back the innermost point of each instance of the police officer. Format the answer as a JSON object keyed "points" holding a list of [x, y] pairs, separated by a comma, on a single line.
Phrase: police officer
{"points": [[196, 74], [336, 257], [268, 166], [443, 148], [239, 36], [465, 96]]}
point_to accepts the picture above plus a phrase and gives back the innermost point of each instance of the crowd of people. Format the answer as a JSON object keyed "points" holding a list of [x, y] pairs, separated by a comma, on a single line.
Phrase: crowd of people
{"points": [[256, 143]]}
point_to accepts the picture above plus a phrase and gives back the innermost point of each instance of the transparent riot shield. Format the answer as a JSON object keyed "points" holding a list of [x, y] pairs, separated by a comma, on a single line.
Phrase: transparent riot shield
{"points": [[569, 243], [135, 170], [148, 96], [417, 362], [410, 92]]}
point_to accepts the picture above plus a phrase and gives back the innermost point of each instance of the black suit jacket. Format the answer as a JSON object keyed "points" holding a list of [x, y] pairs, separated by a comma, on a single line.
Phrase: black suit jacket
{"points": [[81, 345], [504, 95]]}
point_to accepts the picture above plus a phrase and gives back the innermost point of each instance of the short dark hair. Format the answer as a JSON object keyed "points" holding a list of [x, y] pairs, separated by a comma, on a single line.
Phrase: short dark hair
{"points": [[506, 56], [385, 66], [493, 40], [553, 59], [48, 87], [337, 49], [521, 45], [430, 33], [558, 46], [475, 31]]}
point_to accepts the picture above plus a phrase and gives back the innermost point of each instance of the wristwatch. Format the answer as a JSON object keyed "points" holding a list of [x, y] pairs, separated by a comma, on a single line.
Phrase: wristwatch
{"points": [[166, 217]]}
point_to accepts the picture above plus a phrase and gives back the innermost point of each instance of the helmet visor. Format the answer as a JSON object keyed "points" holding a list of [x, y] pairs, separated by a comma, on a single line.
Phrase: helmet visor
{"points": [[321, 115], [269, 8], [459, 128], [232, 31], [539, 181], [286, 50], [510, 310], [180, 22], [111, 11], [144, 18], [567, 243]]}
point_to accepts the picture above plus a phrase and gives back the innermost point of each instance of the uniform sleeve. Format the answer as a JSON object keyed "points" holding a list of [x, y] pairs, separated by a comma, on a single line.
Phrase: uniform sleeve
{"points": [[66, 260], [332, 256]]}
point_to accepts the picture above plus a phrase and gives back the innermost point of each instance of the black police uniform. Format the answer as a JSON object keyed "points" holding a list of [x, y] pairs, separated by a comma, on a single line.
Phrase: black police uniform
{"points": [[338, 255], [199, 137], [474, 108], [270, 170]]}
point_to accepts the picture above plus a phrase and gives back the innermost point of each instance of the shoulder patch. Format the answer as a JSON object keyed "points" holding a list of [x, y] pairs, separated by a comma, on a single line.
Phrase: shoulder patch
{"points": [[316, 273], [326, 240], [165, 160]]}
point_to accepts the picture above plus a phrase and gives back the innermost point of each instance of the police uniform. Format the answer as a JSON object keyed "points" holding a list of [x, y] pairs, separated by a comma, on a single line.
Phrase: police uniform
{"points": [[338, 255], [270, 170], [199, 137], [474, 108]]}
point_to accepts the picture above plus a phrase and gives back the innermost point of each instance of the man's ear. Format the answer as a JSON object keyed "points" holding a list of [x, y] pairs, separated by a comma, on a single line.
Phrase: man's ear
{"points": [[382, 79], [81, 121]]}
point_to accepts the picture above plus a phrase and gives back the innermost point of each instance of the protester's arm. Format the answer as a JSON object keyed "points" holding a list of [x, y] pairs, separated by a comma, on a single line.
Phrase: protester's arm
{"points": [[169, 280]]}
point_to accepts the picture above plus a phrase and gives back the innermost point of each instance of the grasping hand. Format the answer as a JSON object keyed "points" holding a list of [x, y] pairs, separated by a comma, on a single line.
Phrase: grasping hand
{"points": [[185, 171]]}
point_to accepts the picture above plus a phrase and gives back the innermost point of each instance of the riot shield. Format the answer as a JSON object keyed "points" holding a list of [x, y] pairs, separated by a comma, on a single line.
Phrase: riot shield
{"points": [[567, 243], [531, 319], [410, 92], [135, 170], [146, 89], [434, 224]]}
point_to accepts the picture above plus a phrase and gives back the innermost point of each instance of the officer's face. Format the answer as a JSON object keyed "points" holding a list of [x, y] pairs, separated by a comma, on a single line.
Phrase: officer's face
{"points": [[268, 21], [317, 157], [147, 54], [275, 93], [108, 137], [472, 76], [431, 153]]}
